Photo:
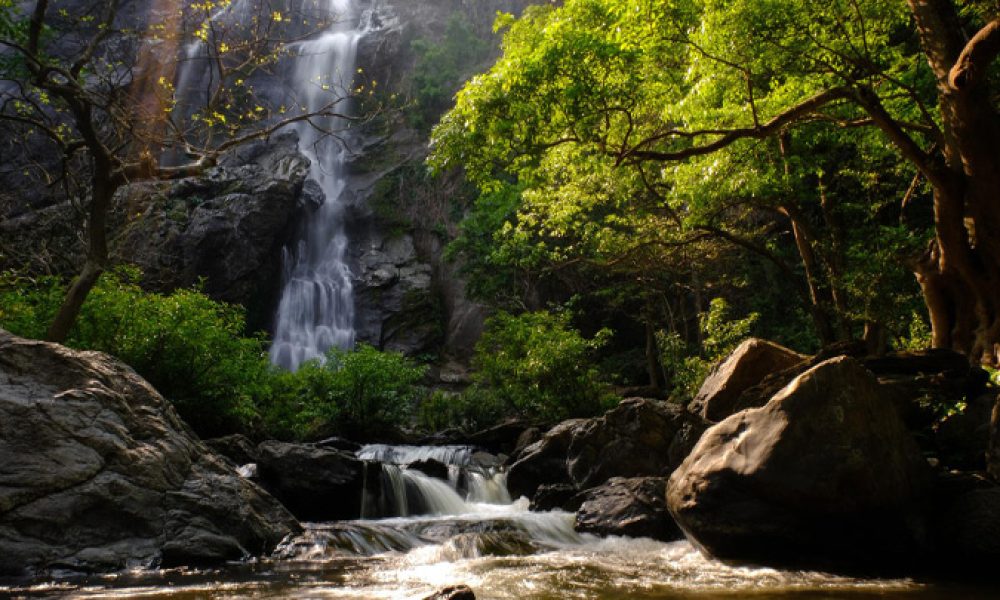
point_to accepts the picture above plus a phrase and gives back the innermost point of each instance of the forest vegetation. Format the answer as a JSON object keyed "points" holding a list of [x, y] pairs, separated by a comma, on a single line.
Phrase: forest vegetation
{"points": [[650, 183]]}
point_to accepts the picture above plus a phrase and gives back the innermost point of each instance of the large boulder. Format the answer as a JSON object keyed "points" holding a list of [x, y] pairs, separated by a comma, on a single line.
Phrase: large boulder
{"points": [[962, 439], [316, 483], [453, 592], [747, 366], [968, 530], [634, 507], [236, 447], [543, 462], [639, 437], [825, 473], [97, 472]]}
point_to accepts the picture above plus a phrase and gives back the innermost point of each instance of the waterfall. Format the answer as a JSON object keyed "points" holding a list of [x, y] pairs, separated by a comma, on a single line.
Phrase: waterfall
{"points": [[316, 311]]}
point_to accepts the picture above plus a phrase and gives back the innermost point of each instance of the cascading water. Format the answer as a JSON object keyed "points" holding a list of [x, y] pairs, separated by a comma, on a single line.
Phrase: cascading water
{"points": [[316, 311], [499, 548], [407, 491]]}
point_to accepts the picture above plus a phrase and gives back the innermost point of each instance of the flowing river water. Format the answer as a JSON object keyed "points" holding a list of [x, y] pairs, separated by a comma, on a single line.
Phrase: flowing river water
{"points": [[465, 528], [423, 533]]}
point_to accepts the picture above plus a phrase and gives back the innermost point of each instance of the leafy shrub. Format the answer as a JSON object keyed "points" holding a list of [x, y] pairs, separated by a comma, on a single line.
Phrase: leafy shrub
{"points": [[539, 366], [373, 389], [687, 367], [441, 67], [188, 346], [353, 392], [194, 351], [474, 409]]}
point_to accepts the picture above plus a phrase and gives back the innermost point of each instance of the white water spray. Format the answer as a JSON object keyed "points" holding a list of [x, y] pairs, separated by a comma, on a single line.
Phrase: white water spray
{"points": [[316, 311]]}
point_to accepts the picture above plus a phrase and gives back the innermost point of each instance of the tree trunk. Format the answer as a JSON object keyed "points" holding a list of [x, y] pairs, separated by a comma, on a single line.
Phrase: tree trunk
{"points": [[656, 379], [103, 190], [810, 264], [960, 272], [70, 308]]}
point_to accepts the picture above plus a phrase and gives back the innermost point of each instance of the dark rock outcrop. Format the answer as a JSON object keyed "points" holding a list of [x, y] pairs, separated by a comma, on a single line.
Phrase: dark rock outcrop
{"points": [[316, 483], [639, 437], [430, 467], [227, 226], [454, 592], [825, 473], [543, 462], [97, 472], [745, 367], [962, 439], [938, 376], [634, 507], [237, 448], [552, 496], [968, 530]]}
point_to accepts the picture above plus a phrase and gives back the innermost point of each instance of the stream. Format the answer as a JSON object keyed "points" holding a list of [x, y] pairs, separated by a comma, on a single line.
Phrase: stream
{"points": [[427, 533]]}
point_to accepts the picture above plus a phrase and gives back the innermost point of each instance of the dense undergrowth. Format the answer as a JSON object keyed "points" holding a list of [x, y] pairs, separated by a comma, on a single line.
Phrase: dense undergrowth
{"points": [[197, 353]]}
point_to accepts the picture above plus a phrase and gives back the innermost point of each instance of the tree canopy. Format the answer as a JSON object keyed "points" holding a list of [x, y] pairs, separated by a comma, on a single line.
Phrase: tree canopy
{"points": [[834, 140]]}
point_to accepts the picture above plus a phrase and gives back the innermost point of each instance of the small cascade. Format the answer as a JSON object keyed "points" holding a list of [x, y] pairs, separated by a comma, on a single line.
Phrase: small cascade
{"points": [[406, 491]]}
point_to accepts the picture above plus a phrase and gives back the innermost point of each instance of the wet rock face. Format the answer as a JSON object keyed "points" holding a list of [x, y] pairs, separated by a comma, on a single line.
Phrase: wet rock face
{"points": [[396, 304], [97, 472], [454, 592], [316, 483], [639, 437], [228, 226], [824, 473], [634, 507]]}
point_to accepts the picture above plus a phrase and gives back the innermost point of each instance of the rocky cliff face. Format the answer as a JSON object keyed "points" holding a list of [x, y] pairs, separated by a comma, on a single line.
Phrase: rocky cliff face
{"points": [[230, 226], [409, 298]]}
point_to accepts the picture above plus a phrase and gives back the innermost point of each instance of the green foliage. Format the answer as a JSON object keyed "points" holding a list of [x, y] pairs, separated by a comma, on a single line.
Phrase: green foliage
{"points": [[474, 409], [356, 392], [540, 366], [186, 345], [720, 332], [918, 336], [615, 132], [687, 367], [195, 352], [441, 66]]}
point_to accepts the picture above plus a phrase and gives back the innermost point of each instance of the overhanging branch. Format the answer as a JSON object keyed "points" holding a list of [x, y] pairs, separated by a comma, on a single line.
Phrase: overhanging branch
{"points": [[976, 57], [727, 137]]}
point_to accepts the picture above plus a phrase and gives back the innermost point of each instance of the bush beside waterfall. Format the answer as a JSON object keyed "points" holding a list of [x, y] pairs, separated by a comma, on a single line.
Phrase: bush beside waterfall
{"points": [[196, 352], [356, 392]]}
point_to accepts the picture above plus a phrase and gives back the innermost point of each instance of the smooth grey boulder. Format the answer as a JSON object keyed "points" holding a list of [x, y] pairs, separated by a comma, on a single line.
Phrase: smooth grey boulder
{"points": [[745, 367], [633, 507], [639, 437], [824, 474], [316, 483], [97, 472]]}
